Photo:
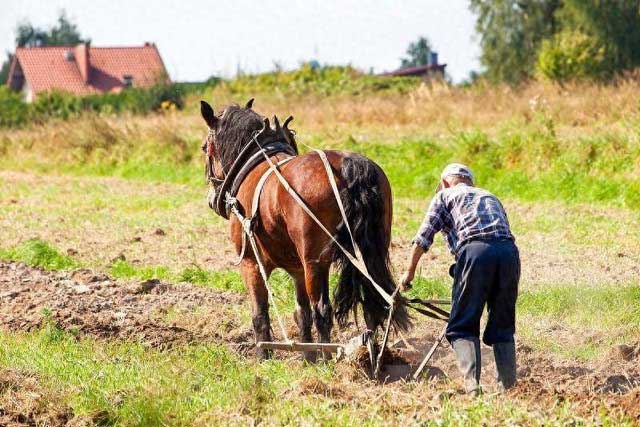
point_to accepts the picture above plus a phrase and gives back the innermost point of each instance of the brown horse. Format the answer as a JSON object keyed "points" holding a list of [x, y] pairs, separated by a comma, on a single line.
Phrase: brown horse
{"points": [[288, 238]]}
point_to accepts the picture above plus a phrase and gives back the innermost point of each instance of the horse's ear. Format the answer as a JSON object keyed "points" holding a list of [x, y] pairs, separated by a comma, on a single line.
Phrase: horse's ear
{"points": [[276, 122], [265, 124], [287, 121], [207, 114], [249, 104]]}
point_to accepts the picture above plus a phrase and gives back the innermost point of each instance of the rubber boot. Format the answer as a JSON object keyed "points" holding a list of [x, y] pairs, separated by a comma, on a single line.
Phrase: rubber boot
{"points": [[505, 355], [468, 354]]}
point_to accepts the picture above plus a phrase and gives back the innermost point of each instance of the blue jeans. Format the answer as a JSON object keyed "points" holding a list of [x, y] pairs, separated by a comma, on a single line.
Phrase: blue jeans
{"points": [[486, 272]]}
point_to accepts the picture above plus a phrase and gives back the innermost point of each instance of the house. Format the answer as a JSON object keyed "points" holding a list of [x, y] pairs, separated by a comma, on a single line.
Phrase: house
{"points": [[85, 69], [433, 69]]}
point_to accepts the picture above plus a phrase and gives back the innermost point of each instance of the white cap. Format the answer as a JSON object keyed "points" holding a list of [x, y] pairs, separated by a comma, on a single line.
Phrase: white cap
{"points": [[457, 169]]}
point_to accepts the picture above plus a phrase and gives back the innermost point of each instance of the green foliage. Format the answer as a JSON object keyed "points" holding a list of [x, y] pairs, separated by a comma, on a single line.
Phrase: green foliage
{"points": [[59, 105], [418, 53], [328, 80], [510, 34], [38, 253], [4, 69], [13, 111], [571, 55], [615, 24], [582, 38]]}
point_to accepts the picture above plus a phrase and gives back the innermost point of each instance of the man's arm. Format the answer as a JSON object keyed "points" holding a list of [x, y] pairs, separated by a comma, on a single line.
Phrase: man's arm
{"points": [[431, 224], [416, 252]]}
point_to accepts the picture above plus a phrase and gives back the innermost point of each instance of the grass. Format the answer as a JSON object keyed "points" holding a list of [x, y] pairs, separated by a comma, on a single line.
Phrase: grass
{"points": [[580, 322], [115, 383], [38, 253]]}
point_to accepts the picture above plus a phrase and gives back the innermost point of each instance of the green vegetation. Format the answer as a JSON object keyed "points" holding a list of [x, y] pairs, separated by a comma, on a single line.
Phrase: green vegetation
{"points": [[605, 315], [58, 105], [572, 39], [564, 163], [571, 55], [124, 269], [223, 280], [38, 253], [116, 383], [525, 161], [418, 53], [320, 80]]}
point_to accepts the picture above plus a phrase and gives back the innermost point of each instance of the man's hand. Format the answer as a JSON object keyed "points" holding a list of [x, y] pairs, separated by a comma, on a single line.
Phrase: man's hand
{"points": [[405, 282]]}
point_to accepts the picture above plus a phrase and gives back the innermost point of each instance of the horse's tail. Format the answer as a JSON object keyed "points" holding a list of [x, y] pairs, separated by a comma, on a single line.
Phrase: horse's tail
{"points": [[364, 197]]}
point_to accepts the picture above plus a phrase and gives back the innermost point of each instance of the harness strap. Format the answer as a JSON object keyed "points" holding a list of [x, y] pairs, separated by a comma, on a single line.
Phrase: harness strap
{"points": [[255, 203], [263, 180]]}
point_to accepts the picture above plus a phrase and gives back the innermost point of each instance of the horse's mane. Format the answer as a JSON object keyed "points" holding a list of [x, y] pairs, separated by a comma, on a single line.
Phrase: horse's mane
{"points": [[236, 129]]}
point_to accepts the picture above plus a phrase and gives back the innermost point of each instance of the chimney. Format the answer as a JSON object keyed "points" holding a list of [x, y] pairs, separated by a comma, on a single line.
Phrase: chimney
{"points": [[82, 58], [433, 58]]}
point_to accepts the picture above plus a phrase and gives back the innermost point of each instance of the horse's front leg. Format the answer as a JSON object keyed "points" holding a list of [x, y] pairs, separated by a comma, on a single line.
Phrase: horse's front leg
{"points": [[259, 303]]}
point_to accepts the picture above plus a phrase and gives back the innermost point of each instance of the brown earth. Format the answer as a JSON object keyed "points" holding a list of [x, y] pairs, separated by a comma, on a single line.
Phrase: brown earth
{"points": [[162, 315], [87, 303]]}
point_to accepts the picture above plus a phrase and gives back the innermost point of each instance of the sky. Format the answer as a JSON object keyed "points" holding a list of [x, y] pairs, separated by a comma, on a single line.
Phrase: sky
{"points": [[199, 38]]}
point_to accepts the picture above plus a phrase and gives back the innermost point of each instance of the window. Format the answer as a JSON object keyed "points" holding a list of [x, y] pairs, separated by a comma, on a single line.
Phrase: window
{"points": [[127, 80]]}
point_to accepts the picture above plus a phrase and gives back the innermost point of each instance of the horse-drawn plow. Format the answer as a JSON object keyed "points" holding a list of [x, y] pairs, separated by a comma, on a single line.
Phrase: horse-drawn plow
{"points": [[367, 342]]}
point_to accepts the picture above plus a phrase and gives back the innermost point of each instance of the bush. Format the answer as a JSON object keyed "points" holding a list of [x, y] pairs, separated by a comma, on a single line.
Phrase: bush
{"points": [[571, 55], [15, 112]]}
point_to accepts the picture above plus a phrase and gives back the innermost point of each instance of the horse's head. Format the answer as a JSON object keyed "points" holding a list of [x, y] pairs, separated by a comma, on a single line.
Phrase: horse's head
{"points": [[228, 133]]}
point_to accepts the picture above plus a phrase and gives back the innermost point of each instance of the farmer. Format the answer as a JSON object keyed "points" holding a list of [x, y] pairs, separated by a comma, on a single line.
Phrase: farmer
{"points": [[487, 271]]}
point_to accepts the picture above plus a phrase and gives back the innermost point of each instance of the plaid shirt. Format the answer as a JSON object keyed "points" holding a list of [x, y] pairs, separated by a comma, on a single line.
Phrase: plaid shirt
{"points": [[462, 213]]}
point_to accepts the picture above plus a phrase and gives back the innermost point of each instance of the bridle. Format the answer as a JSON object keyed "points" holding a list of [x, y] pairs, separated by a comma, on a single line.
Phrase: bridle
{"points": [[212, 178]]}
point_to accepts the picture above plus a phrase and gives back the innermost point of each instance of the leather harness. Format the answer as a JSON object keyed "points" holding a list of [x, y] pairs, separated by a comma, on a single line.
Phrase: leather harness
{"points": [[250, 157]]}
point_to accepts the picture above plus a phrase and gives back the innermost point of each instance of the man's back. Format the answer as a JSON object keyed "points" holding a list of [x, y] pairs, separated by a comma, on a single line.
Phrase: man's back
{"points": [[462, 213]]}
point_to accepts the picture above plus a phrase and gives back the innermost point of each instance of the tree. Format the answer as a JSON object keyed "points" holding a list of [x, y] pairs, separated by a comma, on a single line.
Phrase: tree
{"points": [[419, 53], [63, 33], [614, 23], [510, 33]]}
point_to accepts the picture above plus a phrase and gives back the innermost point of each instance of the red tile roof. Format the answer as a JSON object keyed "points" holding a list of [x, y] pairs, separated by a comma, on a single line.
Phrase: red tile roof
{"points": [[58, 67]]}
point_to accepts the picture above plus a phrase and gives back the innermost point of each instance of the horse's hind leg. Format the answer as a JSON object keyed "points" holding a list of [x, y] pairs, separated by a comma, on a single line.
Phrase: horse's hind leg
{"points": [[317, 284], [259, 303], [302, 314]]}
